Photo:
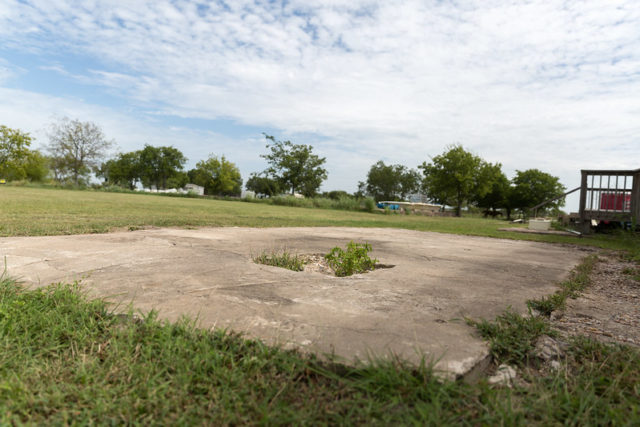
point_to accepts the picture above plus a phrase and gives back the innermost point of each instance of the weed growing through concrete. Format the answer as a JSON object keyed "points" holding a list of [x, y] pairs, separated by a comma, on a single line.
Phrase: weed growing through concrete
{"points": [[352, 261], [577, 282], [512, 336], [283, 259]]}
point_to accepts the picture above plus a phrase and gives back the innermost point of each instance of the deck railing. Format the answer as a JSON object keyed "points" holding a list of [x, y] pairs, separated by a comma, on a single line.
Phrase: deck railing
{"points": [[609, 195]]}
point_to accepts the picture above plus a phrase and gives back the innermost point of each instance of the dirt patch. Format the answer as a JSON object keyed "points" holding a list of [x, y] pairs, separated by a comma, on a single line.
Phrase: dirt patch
{"points": [[609, 309]]}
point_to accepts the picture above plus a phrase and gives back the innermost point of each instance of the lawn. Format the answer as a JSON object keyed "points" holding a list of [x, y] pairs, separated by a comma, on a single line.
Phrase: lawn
{"points": [[48, 211], [67, 359]]}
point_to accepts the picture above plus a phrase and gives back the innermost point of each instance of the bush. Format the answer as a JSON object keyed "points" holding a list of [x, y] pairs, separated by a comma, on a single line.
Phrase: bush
{"points": [[354, 260], [369, 204]]}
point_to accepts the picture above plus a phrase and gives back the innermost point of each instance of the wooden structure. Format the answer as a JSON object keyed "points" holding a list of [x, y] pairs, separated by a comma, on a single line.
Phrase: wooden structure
{"points": [[609, 195]]}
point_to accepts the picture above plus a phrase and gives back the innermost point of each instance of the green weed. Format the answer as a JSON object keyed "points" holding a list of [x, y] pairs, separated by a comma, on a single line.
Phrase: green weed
{"points": [[283, 259], [352, 261], [512, 336], [548, 304], [578, 280]]}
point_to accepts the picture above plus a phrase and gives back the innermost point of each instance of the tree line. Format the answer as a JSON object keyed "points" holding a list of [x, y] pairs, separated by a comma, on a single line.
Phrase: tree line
{"points": [[456, 178]]}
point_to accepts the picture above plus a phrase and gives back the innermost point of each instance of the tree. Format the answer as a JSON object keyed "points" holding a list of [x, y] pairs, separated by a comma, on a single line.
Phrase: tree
{"points": [[17, 161], [218, 176], [76, 147], [35, 166], [391, 182], [455, 177], [262, 185], [178, 180], [532, 187], [159, 164], [124, 170], [497, 196], [294, 166]]}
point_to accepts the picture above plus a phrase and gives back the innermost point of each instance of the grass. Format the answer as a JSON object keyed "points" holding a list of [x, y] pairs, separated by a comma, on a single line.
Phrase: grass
{"points": [[633, 272], [29, 211], [282, 259], [596, 384], [67, 359], [578, 280], [512, 336]]}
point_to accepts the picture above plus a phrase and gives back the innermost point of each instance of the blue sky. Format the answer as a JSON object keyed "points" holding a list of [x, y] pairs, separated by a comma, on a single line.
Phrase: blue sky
{"points": [[546, 84]]}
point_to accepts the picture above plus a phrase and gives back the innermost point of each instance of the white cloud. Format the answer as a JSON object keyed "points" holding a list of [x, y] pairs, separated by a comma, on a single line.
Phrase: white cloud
{"points": [[34, 112], [547, 84]]}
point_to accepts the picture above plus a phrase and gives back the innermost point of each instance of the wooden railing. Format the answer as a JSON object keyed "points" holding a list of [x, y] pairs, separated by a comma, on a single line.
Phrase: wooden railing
{"points": [[609, 195]]}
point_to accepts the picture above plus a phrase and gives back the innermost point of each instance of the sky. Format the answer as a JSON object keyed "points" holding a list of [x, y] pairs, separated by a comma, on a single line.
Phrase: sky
{"points": [[546, 84]]}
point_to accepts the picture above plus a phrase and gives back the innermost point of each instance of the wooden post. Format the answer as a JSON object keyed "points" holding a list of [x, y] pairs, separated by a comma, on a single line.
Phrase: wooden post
{"points": [[635, 198], [584, 226]]}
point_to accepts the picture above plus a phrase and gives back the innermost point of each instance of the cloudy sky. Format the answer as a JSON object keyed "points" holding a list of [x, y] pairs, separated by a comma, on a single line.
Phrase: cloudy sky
{"points": [[547, 84]]}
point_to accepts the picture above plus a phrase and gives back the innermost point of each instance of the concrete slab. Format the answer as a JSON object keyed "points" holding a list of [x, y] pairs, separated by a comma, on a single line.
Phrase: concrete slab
{"points": [[414, 309]]}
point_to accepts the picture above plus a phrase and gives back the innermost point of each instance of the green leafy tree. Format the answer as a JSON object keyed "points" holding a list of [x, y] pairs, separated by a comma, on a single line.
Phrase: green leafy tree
{"points": [[532, 187], [294, 166], [262, 185], [178, 180], [159, 164], [35, 166], [497, 196], [218, 176], [76, 148], [390, 182], [124, 170], [17, 161], [455, 177]]}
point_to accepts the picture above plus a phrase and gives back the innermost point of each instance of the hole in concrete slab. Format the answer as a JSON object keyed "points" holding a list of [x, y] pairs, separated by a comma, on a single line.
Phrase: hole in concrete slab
{"points": [[302, 262], [318, 263]]}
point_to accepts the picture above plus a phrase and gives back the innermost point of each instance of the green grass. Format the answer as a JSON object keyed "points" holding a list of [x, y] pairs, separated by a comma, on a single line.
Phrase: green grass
{"points": [[66, 359], [578, 280], [512, 336], [29, 211], [282, 259]]}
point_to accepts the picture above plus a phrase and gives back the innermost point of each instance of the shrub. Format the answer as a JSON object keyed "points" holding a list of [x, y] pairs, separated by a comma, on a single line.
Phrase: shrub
{"points": [[354, 260], [369, 204]]}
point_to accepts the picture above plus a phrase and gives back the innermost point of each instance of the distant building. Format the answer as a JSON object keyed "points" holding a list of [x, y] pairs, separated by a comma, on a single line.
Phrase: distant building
{"points": [[418, 198], [188, 189], [195, 189]]}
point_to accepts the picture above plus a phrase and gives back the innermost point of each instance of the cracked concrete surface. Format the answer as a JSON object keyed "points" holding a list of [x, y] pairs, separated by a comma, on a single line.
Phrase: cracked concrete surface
{"points": [[416, 308]]}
